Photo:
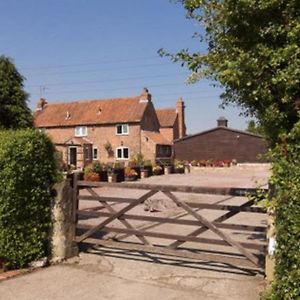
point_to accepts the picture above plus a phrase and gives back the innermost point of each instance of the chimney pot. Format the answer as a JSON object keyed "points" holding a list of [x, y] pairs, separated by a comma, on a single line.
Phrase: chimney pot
{"points": [[181, 118], [222, 122], [41, 104], [145, 95]]}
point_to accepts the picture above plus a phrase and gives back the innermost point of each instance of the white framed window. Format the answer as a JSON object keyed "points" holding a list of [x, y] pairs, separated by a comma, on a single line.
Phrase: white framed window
{"points": [[122, 153], [81, 131], [95, 153], [122, 129]]}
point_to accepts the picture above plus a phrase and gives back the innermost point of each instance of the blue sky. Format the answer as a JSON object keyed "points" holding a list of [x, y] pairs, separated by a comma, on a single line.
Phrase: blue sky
{"points": [[93, 49]]}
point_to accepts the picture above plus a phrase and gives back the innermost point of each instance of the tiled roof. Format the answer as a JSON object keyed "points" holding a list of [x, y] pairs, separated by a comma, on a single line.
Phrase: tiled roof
{"points": [[166, 117], [107, 111], [156, 137]]}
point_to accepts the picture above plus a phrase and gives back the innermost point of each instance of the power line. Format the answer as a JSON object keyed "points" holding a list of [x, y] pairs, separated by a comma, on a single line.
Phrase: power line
{"points": [[101, 70], [89, 63], [104, 80]]}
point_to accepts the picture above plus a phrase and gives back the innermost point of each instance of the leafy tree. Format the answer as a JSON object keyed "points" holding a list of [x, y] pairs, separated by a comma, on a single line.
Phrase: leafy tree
{"points": [[255, 128], [14, 112], [254, 53]]}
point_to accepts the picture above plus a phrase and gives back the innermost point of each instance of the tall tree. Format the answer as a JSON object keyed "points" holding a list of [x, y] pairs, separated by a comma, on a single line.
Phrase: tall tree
{"points": [[14, 112], [254, 127], [253, 51]]}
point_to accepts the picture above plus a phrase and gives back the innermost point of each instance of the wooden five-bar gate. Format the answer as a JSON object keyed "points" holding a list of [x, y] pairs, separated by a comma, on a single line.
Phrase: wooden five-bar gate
{"points": [[95, 224]]}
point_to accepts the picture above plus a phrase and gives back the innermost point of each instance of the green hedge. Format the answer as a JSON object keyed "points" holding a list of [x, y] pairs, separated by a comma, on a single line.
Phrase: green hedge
{"points": [[286, 203], [27, 173]]}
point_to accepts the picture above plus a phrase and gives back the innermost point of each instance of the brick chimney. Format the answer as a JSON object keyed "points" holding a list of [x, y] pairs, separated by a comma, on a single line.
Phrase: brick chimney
{"points": [[41, 104], [222, 122], [180, 113], [145, 95]]}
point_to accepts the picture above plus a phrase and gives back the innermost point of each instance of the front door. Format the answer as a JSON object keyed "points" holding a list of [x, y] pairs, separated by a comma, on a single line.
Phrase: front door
{"points": [[88, 154], [73, 156]]}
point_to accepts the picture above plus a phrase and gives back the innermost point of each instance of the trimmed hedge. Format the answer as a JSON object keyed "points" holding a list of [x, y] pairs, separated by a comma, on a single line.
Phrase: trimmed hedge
{"points": [[286, 204], [27, 174]]}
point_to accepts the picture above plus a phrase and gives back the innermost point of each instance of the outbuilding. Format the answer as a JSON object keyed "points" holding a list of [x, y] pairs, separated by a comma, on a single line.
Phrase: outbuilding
{"points": [[221, 143]]}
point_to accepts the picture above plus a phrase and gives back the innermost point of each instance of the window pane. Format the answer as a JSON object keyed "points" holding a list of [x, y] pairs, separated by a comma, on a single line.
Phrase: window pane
{"points": [[125, 128], [119, 129], [95, 153], [125, 152], [81, 131], [119, 153]]}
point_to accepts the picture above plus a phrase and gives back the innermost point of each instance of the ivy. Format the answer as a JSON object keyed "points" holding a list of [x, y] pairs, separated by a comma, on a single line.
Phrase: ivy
{"points": [[27, 174]]}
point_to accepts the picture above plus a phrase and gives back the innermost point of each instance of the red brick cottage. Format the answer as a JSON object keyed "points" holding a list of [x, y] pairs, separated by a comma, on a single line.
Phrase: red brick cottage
{"points": [[109, 129], [221, 143]]}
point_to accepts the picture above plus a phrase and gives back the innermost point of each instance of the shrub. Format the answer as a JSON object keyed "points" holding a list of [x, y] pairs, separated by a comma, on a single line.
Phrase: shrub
{"points": [[27, 174], [130, 172], [157, 169], [95, 167], [286, 204]]}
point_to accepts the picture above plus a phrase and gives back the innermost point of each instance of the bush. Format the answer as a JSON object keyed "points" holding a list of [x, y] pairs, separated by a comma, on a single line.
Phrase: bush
{"points": [[27, 174], [286, 204]]}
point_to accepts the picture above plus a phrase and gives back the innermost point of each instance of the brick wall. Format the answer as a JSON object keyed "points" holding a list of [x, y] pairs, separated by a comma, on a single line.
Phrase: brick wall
{"points": [[99, 136], [167, 133], [148, 148], [220, 144], [150, 121]]}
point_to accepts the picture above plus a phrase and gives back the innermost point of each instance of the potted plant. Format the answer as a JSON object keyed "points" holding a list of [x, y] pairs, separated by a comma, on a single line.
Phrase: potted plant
{"points": [[178, 166], [142, 166], [118, 169], [157, 169], [148, 167], [194, 163], [90, 174], [130, 174], [111, 176]]}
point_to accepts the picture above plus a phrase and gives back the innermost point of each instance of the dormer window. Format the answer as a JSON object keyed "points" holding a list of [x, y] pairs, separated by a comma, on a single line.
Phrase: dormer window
{"points": [[81, 131], [122, 129]]}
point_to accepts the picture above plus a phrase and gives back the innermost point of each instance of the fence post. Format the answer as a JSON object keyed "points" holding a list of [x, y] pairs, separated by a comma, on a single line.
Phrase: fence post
{"points": [[63, 228]]}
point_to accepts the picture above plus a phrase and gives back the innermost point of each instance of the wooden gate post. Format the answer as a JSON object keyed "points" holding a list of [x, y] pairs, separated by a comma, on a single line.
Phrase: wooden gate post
{"points": [[63, 228]]}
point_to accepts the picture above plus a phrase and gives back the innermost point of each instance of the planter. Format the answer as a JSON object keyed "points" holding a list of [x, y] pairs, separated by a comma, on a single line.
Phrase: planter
{"points": [[157, 172], [131, 178], [120, 174], [104, 176], [179, 170], [92, 176], [144, 173], [138, 171], [149, 169], [167, 170]]}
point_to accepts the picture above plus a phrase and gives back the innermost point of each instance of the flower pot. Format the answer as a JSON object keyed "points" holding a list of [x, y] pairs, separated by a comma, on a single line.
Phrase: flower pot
{"points": [[144, 173], [91, 176], [131, 178], [167, 170], [112, 178], [179, 170]]}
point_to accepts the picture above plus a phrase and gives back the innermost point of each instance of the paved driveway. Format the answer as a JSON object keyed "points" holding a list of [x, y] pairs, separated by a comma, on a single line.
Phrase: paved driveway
{"points": [[133, 276]]}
